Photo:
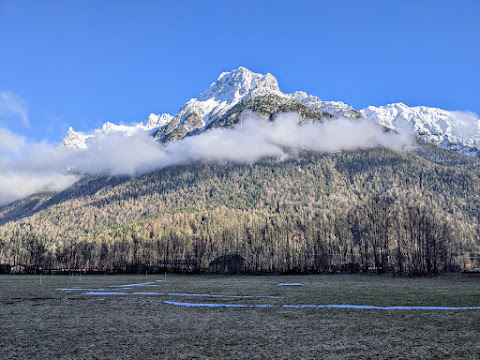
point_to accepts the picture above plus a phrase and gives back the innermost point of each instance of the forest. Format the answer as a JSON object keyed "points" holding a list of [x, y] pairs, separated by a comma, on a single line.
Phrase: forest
{"points": [[378, 210]]}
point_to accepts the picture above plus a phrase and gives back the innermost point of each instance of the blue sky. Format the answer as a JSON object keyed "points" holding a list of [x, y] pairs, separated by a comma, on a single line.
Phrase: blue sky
{"points": [[82, 63]]}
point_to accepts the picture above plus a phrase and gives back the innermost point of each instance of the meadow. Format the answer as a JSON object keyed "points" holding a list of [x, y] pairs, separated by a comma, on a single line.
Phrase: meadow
{"points": [[138, 317]]}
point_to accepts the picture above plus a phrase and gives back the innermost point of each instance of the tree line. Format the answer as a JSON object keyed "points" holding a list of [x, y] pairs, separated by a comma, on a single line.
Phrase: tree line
{"points": [[377, 236]]}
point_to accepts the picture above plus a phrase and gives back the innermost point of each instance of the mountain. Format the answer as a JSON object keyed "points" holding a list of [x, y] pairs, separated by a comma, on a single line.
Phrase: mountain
{"points": [[78, 140], [233, 92], [451, 130], [408, 211]]}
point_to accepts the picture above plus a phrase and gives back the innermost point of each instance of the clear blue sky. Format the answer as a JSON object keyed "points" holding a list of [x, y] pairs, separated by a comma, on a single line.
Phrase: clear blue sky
{"points": [[82, 63]]}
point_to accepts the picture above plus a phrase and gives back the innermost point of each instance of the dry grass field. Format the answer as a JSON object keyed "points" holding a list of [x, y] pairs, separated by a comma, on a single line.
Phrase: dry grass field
{"points": [[38, 321]]}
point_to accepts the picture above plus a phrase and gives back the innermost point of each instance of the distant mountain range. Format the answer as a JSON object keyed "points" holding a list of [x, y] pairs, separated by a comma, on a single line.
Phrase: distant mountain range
{"points": [[222, 103]]}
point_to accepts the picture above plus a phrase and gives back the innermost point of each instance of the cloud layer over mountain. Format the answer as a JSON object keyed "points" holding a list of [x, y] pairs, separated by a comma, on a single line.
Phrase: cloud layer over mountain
{"points": [[27, 168]]}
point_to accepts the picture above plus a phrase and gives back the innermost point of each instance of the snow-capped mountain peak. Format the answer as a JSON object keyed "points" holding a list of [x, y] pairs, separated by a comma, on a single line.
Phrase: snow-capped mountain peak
{"points": [[78, 140], [233, 86], [221, 96], [221, 102], [75, 140], [453, 130], [155, 121]]}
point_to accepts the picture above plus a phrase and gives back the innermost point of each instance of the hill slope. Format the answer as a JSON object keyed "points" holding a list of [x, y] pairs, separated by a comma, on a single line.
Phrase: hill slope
{"points": [[305, 214]]}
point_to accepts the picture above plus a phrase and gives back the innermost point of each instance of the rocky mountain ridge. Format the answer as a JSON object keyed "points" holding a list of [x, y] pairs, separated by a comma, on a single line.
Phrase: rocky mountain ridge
{"points": [[233, 92]]}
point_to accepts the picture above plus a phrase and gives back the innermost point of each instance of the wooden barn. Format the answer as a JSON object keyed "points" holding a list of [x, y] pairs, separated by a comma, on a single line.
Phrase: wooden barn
{"points": [[231, 264]]}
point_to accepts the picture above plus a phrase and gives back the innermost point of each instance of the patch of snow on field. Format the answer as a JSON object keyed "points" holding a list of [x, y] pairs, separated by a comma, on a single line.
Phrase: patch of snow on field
{"points": [[105, 293], [331, 306], [149, 293], [195, 295], [73, 289], [373, 307], [289, 284], [254, 297], [205, 305]]}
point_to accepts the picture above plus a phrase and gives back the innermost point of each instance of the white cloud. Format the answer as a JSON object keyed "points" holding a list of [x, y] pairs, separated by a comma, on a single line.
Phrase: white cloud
{"points": [[12, 105], [10, 142], [35, 167], [465, 124], [18, 185], [255, 138], [27, 168]]}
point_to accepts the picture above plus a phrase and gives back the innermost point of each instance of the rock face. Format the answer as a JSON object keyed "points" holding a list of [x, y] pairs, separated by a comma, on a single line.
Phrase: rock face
{"points": [[222, 103]]}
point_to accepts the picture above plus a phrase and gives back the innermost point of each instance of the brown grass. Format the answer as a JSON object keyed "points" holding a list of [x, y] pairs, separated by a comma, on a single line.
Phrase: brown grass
{"points": [[38, 322]]}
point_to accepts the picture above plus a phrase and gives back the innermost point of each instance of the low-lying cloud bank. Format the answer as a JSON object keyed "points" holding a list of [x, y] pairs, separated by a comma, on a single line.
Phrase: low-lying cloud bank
{"points": [[27, 168]]}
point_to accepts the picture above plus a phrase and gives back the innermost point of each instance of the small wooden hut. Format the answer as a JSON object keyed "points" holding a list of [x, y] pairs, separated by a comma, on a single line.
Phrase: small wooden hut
{"points": [[230, 264]]}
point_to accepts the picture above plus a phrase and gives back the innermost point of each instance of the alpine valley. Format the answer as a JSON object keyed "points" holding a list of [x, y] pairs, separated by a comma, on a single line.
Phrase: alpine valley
{"points": [[410, 210]]}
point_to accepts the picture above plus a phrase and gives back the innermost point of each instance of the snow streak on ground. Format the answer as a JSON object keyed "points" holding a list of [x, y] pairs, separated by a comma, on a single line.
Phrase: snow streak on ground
{"points": [[289, 284], [333, 306]]}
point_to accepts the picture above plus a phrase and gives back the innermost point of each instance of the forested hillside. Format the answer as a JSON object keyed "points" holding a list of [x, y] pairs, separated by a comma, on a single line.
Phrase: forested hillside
{"points": [[348, 211]]}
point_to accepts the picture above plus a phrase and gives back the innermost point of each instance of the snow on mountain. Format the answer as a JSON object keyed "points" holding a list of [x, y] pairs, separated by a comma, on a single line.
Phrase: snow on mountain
{"points": [[449, 129], [78, 140], [234, 90], [222, 95], [336, 108], [155, 121], [231, 87]]}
